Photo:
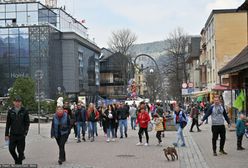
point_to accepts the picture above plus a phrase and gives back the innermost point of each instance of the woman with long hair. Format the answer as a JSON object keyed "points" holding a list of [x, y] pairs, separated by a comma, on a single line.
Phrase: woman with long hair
{"points": [[92, 116], [111, 117]]}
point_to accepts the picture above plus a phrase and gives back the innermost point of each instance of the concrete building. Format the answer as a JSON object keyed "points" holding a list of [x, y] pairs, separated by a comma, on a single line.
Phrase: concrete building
{"points": [[34, 37], [193, 64], [114, 75], [225, 35]]}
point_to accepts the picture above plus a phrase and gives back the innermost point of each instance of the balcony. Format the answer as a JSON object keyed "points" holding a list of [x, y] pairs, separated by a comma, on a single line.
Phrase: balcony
{"points": [[108, 82], [110, 68]]}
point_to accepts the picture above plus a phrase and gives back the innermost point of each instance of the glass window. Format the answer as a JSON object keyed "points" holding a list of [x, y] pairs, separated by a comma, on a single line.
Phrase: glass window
{"points": [[21, 18], [24, 31], [10, 7], [2, 15], [22, 7], [2, 7], [2, 23], [32, 7], [43, 13], [14, 31], [10, 15], [24, 60], [32, 17]]}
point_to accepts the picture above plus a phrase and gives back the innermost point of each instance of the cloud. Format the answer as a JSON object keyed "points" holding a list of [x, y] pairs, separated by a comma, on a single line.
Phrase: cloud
{"points": [[224, 4]]}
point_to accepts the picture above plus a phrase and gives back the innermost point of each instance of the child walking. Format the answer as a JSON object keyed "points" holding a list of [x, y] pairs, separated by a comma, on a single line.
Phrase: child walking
{"points": [[159, 128], [240, 130]]}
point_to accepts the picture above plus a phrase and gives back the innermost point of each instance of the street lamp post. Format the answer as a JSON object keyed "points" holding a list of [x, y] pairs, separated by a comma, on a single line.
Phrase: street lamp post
{"points": [[142, 68], [38, 76]]}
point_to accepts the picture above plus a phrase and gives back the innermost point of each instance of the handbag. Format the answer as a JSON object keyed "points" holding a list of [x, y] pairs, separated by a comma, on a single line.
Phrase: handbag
{"points": [[246, 132], [150, 126]]}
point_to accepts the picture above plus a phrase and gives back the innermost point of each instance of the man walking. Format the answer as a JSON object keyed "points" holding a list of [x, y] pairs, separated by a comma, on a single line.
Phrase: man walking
{"points": [[218, 114], [17, 126], [123, 113], [194, 115]]}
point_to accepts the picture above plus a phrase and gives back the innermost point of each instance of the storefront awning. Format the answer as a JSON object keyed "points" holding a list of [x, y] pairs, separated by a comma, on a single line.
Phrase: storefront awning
{"points": [[220, 88], [197, 94]]}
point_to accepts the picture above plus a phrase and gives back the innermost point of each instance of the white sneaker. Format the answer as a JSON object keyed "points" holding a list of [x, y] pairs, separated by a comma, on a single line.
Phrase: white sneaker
{"points": [[146, 144], [75, 138], [108, 140], [113, 140], [139, 144]]}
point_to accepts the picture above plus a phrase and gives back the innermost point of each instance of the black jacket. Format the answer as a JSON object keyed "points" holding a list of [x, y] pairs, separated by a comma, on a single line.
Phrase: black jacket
{"points": [[110, 121], [122, 113], [17, 124]]}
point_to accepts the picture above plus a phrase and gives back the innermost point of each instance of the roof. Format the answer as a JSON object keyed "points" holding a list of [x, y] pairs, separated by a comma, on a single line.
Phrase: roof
{"points": [[244, 6], [219, 11], [238, 63], [117, 54]]}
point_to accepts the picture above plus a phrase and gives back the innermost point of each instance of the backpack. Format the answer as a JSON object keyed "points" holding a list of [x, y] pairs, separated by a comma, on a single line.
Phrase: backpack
{"points": [[183, 121]]}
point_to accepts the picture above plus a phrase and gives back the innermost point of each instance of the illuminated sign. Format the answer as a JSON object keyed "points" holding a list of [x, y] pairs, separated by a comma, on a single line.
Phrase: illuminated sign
{"points": [[11, 1]]}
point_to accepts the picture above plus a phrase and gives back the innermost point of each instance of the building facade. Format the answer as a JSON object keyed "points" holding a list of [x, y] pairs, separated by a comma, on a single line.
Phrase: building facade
{"points": [[225, 34], [35, 38], [193, 64], [114, 76]]}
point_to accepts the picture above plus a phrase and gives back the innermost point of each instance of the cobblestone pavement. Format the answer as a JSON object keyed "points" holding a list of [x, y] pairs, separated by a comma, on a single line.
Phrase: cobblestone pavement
{"points": [[42, 150]]}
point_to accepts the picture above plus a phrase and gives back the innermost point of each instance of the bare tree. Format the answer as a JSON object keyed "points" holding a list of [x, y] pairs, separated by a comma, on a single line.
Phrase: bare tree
{"points": [[176, 66], [121, 41]]}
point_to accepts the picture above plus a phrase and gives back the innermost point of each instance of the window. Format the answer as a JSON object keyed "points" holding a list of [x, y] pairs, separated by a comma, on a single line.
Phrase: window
{"points": [[21, 18], [11, 15], [32, 7], [22, 7], [32, 17], [10, 7], [2, 8]]}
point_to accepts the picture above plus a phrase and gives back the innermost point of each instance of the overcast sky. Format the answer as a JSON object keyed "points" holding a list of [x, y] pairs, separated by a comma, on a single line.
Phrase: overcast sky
{"points": [[150, 20]]}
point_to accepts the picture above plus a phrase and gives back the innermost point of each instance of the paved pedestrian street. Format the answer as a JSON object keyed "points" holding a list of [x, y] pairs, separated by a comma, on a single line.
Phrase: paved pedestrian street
{"points": [[42, 150]]}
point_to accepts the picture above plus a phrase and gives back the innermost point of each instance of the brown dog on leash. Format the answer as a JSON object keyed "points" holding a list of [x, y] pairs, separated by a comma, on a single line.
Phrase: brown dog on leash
{"points": [[170, 151]]}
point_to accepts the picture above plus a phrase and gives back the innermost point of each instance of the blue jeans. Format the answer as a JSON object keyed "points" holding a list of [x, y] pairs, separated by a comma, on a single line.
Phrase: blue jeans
{"points": [[79, 125], [92, 128], [112, 130], [121, 124], [133, 122], [179, 134]]}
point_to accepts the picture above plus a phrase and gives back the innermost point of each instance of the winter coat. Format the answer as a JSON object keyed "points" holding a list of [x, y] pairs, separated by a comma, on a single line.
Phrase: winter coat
{"points": [[159, 124], [110, 118], [143, 119], [240, 127], [60, 126], [17, 124]]}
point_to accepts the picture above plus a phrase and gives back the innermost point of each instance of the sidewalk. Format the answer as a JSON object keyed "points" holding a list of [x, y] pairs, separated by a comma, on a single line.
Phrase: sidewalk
{"points": [[199, 154], [43, 150]]}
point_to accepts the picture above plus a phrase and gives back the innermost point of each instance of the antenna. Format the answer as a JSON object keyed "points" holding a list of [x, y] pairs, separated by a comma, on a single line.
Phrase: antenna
{"points": [[51, 3]]}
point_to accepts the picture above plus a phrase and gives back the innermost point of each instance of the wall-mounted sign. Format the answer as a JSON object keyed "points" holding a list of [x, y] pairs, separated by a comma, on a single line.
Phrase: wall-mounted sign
{"points": [[191, 85], [12, 1], [17, 75]]}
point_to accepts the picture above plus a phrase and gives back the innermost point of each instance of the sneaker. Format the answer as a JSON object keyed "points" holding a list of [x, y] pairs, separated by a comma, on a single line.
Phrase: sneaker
{"points": [[113, 140], [175, 144], [223, 152], [160, 144], [75, 138], [183, 145], [139, 144], [121, 137], [199, 130], [191, 131], [126, 135], [92, 140], [78, 141], [108, 140], [215, 154], [84, 139], [146, 144]]}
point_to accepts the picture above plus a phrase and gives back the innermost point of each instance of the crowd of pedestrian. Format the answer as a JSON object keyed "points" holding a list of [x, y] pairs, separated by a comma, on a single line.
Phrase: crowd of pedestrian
{"points": [[82, 119]]}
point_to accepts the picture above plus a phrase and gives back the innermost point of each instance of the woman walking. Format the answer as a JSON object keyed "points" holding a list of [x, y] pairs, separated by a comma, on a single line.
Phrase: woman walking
{"points": [[60, 130], [93, 116], [111, 117]]}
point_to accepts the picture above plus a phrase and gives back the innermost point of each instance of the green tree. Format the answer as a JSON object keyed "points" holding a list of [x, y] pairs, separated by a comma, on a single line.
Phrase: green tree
{"points": [[25, 88]]}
